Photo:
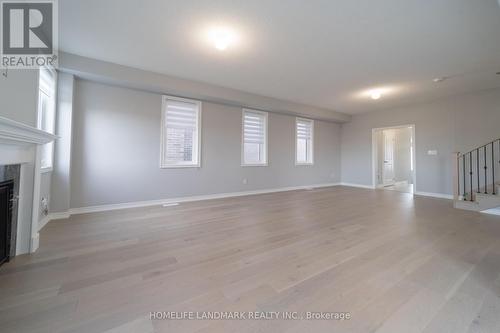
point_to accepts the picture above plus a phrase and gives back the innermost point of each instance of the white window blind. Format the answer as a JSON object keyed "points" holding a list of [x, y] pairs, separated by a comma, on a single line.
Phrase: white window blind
{"points": [[304, 133], [180, 132], [47, 112], [254, 138]]}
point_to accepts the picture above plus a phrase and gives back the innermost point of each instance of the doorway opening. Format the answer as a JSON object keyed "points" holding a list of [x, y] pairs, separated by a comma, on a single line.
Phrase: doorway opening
{"points": [[394, 158]]}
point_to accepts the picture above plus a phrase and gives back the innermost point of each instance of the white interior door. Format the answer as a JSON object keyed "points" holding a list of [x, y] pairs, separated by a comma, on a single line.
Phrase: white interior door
{"points": [[388, 168]]}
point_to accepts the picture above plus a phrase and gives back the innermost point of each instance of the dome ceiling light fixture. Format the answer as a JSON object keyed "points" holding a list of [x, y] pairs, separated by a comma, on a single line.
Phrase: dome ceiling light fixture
{"points": [[376, 94], [222, 37], [440, 79]]}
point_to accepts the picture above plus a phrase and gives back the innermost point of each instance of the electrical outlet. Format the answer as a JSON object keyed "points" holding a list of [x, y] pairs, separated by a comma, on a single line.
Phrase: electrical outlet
{"points": [[245, 181], [45, 206]]}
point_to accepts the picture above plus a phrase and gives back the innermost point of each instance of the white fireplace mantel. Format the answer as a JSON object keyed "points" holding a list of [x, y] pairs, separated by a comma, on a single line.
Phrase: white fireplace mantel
{"points": [[21, 144], [13, 132]]}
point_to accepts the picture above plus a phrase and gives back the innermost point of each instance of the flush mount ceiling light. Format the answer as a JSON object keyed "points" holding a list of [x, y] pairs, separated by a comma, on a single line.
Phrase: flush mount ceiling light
{"points": [[376, 94], [222, 37], [440, 79]]}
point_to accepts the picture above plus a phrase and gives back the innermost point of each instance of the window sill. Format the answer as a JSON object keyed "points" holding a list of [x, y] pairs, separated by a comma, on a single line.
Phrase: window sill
{"points": [[255, 165], [304, 164], [179, 166]]}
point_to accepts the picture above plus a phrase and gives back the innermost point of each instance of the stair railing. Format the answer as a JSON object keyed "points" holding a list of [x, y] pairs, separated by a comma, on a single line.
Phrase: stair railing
{"points": [[476, 171]]}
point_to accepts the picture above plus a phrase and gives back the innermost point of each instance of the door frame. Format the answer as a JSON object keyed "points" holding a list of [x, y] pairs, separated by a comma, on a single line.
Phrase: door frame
{"points": [[375, 153]]}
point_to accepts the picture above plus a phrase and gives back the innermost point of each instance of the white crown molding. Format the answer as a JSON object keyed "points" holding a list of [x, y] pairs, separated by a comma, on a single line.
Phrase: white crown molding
{"points": [[13, 132]]}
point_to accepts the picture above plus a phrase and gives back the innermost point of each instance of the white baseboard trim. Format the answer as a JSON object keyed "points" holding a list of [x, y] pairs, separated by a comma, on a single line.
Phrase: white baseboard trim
{"points": [[52, 216], [43, 222], [434, 195], [422, 194], [160, 202], [493, 211], [59, 215], [358, 185], [138, 204], [34, 243]]}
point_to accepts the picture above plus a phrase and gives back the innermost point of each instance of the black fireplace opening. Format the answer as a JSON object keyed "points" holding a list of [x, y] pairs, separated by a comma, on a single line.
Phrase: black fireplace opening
{"points": [[6, 202]]}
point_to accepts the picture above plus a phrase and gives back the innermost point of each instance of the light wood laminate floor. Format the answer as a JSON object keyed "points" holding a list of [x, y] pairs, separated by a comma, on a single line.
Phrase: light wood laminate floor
{"points": [[394, 262]]}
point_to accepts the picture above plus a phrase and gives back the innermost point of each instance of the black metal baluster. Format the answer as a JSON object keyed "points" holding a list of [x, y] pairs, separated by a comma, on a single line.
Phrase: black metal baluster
{"points": [[470, 173], [477, 169], [458, 173], [471, 170], [485, 173], [493, 166], [465, 185]]}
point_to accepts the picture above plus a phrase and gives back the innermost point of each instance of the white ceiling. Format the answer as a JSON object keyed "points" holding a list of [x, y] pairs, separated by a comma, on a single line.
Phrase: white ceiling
{"points": [[321, 53]]}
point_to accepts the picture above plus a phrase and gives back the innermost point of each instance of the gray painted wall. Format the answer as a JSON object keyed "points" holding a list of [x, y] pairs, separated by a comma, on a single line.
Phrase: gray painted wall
{"points": [[459, 123], [19, 95], [61, 180], [116, 147]]}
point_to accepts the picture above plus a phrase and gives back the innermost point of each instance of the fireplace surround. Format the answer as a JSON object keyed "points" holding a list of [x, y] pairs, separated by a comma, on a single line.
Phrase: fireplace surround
{"points": [[6, 195], [9, 192], [20, 163]]}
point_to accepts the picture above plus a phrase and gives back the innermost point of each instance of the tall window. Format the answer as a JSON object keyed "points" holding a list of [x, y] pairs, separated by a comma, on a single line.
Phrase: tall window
{"points": [[180, 144], [254, 150], [304, 141], [47, 113]]}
